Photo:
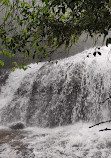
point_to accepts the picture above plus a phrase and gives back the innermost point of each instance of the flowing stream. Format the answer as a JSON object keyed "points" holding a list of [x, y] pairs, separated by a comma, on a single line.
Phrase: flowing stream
{"points": [[57, 102]]}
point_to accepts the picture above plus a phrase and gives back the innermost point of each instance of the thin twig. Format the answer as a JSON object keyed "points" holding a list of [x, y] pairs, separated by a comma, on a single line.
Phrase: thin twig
{"points": [[104, 100], [100, 123], [106, 129]]}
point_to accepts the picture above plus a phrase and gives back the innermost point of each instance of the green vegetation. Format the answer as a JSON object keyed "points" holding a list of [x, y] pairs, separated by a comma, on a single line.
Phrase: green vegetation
{"points": [[38, 29]]}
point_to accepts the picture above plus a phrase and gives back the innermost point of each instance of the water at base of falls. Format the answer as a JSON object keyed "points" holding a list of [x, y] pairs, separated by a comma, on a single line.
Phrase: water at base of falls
{"points": [[53, 94], [72, 141]]}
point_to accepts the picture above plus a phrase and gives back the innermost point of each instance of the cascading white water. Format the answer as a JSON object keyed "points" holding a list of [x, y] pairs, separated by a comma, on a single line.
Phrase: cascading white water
{"points": [[50, 94]]}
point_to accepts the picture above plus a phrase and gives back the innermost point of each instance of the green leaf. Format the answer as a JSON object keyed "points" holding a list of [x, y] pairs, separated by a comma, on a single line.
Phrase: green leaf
{"points": [[104, 10], [8, 40], [1, 63], [25, 30], [21, 66], [6, 2], [46, 1], [18, 17], [20, 23], [22, 3], [9, 56], [33, 2], [5, 52], [25, 68], [55, 42], [15, 63], [13, 69], [75, 39], [28, 5], [4, 18]]}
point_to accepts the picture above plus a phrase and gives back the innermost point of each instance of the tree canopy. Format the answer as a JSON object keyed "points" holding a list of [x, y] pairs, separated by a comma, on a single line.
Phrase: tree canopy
{"points": [[38, 28]]}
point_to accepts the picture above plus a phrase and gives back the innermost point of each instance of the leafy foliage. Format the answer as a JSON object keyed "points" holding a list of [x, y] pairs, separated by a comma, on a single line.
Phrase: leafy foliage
{"points": [[37, 29]]}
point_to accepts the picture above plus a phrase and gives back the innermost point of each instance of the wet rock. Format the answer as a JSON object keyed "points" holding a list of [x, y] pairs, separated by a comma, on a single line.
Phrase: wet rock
{"points": [[17, 126]]}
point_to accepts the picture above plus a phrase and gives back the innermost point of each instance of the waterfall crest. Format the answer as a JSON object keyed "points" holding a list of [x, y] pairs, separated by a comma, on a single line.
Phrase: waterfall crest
{"points": [[54, 94]]}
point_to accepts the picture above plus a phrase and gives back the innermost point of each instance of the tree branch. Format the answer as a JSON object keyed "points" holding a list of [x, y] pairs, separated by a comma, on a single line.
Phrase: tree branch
{"points": [[106, 129], [100, 123]]}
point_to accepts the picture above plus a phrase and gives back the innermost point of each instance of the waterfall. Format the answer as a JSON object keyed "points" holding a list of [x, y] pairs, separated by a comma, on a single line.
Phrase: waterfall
{"points": [[53, 94]]}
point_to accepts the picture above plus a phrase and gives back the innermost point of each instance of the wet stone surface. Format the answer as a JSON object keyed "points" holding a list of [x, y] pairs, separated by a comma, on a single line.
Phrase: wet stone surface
{"points": [[11, 142]]}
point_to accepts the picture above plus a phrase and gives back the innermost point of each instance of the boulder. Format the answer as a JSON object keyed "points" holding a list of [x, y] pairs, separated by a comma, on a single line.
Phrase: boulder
{"points": [[17, 126]]}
